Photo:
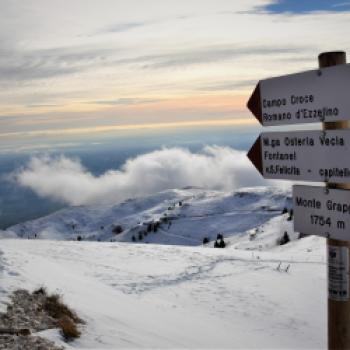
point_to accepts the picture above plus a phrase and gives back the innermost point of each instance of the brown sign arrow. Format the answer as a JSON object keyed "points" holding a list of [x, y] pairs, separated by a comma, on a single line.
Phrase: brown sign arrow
{"points": [[312, 155], [254, 155], [254, 104]]}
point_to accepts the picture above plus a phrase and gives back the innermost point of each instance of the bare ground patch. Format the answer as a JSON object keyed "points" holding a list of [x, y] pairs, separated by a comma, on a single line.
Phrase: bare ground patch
{"points": [[28, 313]]}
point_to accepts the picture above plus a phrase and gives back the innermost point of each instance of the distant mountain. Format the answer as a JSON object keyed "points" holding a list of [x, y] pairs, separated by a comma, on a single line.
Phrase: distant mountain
{"points": [[181, 217]]}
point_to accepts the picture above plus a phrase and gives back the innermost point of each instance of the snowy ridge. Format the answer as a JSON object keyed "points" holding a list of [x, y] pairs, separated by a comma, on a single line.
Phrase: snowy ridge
{"points": [[185, 217]]}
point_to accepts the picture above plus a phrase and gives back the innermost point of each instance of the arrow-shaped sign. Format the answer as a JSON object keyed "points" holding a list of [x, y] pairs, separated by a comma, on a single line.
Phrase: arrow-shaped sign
{"points": [[303, 155], [321, 95]]}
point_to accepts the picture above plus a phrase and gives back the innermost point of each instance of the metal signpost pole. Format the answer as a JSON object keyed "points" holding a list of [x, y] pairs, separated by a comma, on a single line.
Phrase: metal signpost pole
{"points": [[337, 251]]}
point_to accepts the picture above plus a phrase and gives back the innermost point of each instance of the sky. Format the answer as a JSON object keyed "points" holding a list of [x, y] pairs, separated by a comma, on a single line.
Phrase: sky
{"points": [[83, 67]]}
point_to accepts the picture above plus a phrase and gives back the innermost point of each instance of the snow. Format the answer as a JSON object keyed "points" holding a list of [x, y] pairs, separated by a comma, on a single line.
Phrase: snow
{"points": [[253, 294], [193, 213], [148, 296]]}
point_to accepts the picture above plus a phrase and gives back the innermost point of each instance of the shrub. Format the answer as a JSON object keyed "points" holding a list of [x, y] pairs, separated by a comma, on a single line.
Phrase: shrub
{"points": [[205, 240], [57, 309], [291, 214], [40, 290], [284, 239], [219, 236], [117, 229], [222, 243], [69, 328], [156, 226]]}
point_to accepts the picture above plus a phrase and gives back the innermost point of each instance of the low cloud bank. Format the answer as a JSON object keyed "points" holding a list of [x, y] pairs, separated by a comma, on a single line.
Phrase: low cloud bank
{"points": [[67, 180]]}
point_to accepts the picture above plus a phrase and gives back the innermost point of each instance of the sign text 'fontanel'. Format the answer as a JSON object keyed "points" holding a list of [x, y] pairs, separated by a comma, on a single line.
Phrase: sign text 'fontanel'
{"points": [[303, 155]]}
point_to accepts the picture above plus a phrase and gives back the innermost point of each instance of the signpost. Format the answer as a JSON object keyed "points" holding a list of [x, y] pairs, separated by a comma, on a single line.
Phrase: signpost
{"points": [[314, 96], [338, 310], [303, 155], [323, 212], [321, 95]]}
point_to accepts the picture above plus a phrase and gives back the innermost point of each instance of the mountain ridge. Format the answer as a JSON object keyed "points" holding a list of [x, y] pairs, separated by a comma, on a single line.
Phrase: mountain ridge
{"points": [[184, 217]]}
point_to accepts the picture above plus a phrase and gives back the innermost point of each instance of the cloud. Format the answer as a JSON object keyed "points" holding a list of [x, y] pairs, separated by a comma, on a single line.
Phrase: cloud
{"points": [[26, 66], [67, 180], [341, 4], [19, 66], [128, 101], [126, 26], [209, 54], [228, 86], [123, 27]]}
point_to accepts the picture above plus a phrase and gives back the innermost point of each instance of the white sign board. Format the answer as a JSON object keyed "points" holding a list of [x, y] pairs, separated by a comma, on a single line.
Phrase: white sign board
{"points": [[308, 97], [323, 212], [303, 155], [338, 273]]}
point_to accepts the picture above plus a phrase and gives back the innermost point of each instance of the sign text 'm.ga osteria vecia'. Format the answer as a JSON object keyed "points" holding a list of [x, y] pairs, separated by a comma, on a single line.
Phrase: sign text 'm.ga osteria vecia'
{"points": [[303, 155]]}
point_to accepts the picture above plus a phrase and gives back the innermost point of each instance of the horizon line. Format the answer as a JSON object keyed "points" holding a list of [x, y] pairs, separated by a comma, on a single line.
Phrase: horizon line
{"points": [[126, 127]]}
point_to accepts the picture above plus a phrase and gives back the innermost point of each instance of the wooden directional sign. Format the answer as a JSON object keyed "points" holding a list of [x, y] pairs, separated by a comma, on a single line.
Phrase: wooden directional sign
{"points": [[308, 97], [303, 155], [322, 212]]}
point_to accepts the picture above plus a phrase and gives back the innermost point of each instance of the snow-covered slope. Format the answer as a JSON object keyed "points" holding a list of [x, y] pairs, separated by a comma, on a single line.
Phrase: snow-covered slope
{"points": [[155, 296], [253, 294], [185, 217]]}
